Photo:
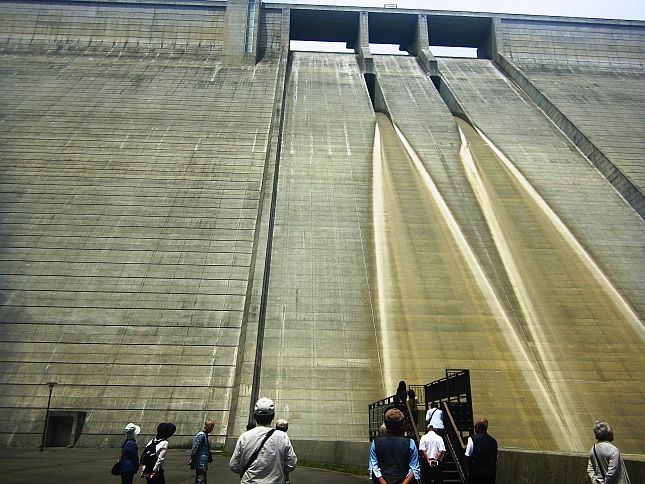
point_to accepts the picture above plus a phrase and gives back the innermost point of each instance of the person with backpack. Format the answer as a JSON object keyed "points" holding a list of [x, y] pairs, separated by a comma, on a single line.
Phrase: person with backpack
{"points": [[394, 458], [129, 454], [200, 454], [263, 454], [155, 453]]}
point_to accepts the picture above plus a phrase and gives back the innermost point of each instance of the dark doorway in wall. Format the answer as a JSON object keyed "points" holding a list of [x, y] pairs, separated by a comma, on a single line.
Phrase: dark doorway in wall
{"points": [[59, 431], [64, 428]]}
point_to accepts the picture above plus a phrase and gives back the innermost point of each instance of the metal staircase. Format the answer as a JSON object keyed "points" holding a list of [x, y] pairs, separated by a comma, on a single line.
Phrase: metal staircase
{"points": [[453, 396]]}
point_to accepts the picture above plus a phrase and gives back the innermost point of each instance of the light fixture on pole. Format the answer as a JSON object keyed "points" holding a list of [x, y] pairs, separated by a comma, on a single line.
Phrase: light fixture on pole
{"points": [[51, 385]]}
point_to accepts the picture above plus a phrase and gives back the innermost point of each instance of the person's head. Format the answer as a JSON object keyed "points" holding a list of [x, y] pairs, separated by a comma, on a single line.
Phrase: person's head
{"points": [[264, 411], [382, 429], [481, 426], [165, 430], [602, 431], [282, 424], [430, 427], [209, 425], [411, 394], [402, 386], [131, 431], [434, 405], [394, 420]]}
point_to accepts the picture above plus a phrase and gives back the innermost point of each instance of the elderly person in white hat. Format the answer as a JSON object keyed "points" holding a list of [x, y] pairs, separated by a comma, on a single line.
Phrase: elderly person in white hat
{"points": [[262, 454], [129, 454]]}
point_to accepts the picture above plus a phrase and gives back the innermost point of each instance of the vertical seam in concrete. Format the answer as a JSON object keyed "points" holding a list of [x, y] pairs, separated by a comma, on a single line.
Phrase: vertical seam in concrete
{"points": [[255, 387]]}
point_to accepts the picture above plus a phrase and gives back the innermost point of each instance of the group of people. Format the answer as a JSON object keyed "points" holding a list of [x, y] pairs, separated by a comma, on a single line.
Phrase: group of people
{"points": [[152, 457], [262, 453], [265, 454], [395, 459]]}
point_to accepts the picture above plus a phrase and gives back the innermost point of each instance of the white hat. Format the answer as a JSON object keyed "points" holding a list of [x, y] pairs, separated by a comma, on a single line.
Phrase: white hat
{"points": [[264, 406], [132, 430]]}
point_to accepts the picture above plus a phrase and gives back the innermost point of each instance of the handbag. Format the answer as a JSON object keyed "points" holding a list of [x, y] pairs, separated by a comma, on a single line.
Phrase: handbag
{"points": [[116, 468]]}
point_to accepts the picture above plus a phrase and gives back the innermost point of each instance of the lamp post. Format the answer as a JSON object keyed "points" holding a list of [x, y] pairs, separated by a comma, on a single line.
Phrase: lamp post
{"points": [[51, 385]]}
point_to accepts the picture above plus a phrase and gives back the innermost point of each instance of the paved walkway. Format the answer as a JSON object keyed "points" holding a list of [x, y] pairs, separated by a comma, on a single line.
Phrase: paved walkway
{"points": [[92, 466]]}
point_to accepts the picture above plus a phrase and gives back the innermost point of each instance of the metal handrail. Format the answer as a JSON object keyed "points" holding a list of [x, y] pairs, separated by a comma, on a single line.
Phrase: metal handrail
{"points": [[455, 442], [410, 417], [380, 407]]}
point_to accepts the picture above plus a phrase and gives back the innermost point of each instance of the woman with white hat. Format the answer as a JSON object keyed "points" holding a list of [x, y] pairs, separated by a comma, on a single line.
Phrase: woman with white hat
{"points": [[129, 454]]}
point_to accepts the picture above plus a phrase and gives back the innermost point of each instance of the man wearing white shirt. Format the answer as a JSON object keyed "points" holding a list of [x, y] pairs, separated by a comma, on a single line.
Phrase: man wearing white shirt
{"points": [[434, 417], [262, 454], [431, 447]]}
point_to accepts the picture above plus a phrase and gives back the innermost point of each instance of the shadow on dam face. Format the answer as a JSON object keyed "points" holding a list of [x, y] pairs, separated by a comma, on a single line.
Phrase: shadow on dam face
{"points": [[535, 376]]}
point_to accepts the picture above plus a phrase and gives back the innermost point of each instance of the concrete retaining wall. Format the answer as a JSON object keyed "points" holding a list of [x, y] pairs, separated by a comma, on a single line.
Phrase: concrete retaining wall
{"points": [[526, 467]]}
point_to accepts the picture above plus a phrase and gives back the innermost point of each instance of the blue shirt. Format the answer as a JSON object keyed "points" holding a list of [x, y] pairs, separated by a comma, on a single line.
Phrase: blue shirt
{"points": [[375, 470]]}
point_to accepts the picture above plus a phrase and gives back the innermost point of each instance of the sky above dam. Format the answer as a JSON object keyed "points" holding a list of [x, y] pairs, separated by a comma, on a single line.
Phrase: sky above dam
{"points": [[617, 9]]}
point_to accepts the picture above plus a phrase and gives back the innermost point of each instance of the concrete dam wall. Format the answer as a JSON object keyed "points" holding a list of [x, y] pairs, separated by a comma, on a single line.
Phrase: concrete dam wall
{"points": [[192, 216]]}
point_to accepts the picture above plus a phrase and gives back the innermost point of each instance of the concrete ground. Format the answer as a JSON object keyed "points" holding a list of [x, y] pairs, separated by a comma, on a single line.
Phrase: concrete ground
{"points": [[92, 466]]}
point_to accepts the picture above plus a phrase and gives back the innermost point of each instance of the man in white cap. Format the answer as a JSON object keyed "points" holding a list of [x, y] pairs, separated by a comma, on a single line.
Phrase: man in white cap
{"points": [[262, 454]]}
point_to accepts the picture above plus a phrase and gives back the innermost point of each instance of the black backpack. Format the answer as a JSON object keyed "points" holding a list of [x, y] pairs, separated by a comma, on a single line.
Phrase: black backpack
{"points": [[149, 455]]}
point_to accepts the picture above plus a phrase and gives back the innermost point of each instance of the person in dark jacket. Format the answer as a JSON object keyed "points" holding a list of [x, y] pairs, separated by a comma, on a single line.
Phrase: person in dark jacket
{"points": [[129, 454], [154, 474], [401, 393], [481, 455], [394, 458]]}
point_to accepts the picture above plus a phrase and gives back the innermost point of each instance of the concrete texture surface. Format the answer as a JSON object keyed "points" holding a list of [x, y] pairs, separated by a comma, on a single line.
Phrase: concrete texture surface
{"points": [[130, 192], [320, 358], [599, 219], [85, 466], [138, 253]]}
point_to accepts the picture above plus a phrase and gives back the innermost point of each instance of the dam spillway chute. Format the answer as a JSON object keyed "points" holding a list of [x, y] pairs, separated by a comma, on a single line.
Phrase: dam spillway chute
{"points": [[568, 304], [437, 308]]}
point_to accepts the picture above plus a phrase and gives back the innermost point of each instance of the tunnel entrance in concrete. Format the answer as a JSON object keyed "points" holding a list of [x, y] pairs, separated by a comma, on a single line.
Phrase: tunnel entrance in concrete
{"points": [[64, 428]]}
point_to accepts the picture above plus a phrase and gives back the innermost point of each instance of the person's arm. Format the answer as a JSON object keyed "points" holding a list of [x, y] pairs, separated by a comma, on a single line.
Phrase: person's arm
{"points": [[197, 441], [236, 459], [441, 449], [409, 479], [424, 456], [374, 469], [591, 471], [423, 450], [290, 459], [468, 452], [161, 455], [415, 470], [613, 467]]}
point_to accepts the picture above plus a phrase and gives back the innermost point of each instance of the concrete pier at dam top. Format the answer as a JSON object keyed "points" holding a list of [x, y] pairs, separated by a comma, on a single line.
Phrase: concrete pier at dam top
{"points": [[193, 215]]}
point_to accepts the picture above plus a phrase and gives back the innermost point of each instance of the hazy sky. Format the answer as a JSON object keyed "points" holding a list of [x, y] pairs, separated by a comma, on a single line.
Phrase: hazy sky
{"points": [[612, 9]]}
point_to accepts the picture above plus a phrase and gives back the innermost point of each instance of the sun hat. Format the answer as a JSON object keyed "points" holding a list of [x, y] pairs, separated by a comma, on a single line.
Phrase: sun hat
{"points": [[132, 430]]}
